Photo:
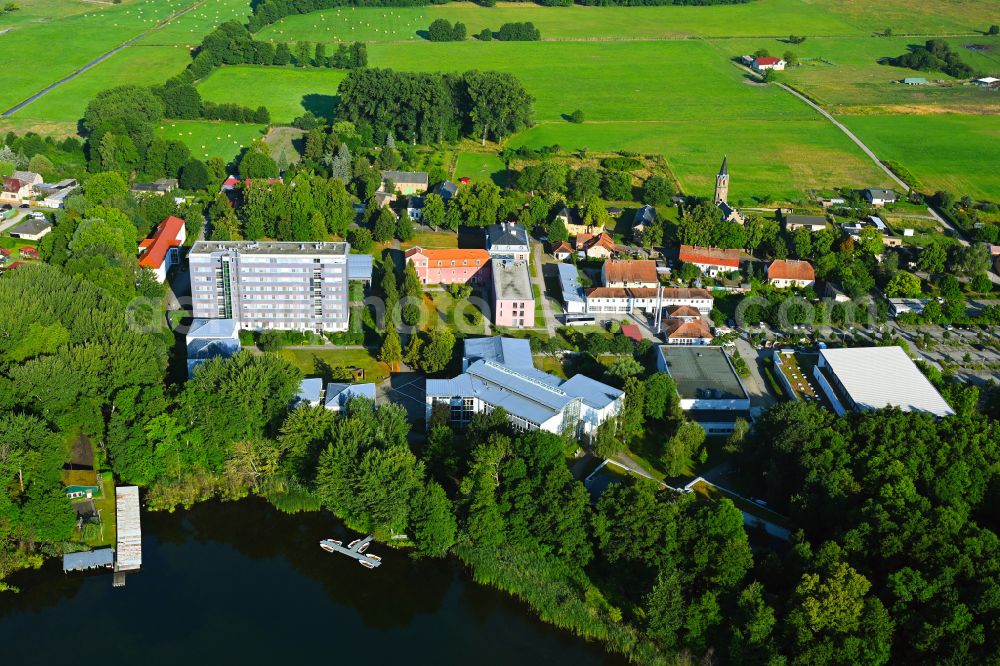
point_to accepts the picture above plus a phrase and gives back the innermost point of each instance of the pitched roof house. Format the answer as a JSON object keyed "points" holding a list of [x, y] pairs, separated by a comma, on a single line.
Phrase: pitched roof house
{"points": [[629, 274], [601, 246], [162, 250], [449, 266], [790, 273], [710, 260]]}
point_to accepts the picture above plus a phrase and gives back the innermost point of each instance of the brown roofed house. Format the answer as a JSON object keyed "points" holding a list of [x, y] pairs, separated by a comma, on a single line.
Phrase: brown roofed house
{"points": [[632, 273], [790, 273]]}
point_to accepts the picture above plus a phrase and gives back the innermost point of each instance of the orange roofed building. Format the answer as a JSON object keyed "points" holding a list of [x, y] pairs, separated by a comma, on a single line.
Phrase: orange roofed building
{"points": [[790, 273], [710, 260], [450, 266], [162, 250]]}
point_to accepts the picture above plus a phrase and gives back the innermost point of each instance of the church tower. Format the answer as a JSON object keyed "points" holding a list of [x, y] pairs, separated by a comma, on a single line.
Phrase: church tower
{"points": [[722, 183]]}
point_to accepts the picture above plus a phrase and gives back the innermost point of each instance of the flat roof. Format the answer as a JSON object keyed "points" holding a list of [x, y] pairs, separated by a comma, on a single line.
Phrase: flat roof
{"points": [[359, 267], [702, 372], [269, 247], [878, 377], [212, 328], [88, 559], [512, 352], [511, 281]]}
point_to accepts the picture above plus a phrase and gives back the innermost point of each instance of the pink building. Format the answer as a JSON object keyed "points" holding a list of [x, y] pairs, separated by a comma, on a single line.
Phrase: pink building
{"points": [[513, 300], [450, 266]]}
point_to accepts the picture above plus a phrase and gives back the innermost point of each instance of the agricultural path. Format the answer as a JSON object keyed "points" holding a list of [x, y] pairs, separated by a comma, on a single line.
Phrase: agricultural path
{"points": [[850, 135], [96, 61]]}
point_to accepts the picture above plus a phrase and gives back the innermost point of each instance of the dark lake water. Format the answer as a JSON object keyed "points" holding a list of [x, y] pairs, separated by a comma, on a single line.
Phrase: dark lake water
{"points": [[242, 582]]}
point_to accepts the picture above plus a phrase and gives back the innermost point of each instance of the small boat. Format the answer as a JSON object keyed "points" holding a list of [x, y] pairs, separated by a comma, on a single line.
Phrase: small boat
{"points": [[363, 547], [327, 545], [374, 557], [366, 564], [353, 543]]}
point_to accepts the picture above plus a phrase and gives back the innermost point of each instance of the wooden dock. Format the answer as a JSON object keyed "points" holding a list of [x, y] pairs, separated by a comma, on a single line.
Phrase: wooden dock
{"points": [[355, 550], [128, 554]]}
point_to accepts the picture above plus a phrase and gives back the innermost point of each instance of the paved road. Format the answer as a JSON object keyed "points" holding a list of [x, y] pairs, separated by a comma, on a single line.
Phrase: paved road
{"points": [[96, 61], [850, 135], [550, 319], [13, 221]]}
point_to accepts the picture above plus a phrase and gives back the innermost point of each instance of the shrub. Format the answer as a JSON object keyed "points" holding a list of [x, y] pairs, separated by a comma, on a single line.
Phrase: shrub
{"points": [[411, 314], [621, 163], [576, 116]]}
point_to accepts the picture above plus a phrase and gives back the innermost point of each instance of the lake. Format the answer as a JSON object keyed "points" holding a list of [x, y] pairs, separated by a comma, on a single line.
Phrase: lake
{"points": [[241, 581]]}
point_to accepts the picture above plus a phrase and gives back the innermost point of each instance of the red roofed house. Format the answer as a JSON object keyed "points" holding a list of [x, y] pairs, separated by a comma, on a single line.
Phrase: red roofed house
{"points": [[764, 63], [682, 331], [449, 266], [16, 264], [28, 252], [232, 181], [710, 260], [601, 246], [162, 250], [18, 186], [790, 273], [632, 331], [628, 274], [562, 250]]}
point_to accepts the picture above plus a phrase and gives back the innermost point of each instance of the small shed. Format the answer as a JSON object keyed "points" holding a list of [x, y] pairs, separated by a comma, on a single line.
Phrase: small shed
{"points": [[915, 81], [90, 559]]}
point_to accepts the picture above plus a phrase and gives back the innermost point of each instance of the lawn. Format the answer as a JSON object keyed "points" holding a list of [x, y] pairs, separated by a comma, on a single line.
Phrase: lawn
{"points": [[481, 166], [433, 240], [208, 138], [454, 314], [95, 535], [287, 92], [949, 152], [312, 361]]}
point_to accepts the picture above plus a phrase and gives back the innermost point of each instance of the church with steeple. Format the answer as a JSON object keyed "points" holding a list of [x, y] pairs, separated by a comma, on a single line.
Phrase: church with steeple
{"points": [[729, 214]]}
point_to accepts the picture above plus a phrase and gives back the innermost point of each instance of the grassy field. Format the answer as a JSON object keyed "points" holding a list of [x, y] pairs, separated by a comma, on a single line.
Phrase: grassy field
{"points": [[952, 152], [433, 240], [306, 361], [481, 166], [289, 92], [208, 138]]}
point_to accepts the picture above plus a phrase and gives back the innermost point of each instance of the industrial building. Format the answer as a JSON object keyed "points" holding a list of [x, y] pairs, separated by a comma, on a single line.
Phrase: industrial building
{"points": [[868, 378], [710, 391]]}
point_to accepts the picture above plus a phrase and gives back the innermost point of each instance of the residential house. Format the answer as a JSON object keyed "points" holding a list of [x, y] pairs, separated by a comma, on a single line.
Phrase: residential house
{"points": [[406, 182], [626, 274], [561, 250], [763, 63], [415, 208], [19, 186], [32, 229], [310, 392], [679, 331], [710, 261], [811, 222], [601, 246], [338, 395], [232, 182], [54, 196], [573, 221], [81, 483], [446, 190], [161, 251], [499, 372], [513, 299], [28, 252], [210, 338], [834, 291], [507, 240], [644, 218], [878, 197], [784, 273], [450, 266]]}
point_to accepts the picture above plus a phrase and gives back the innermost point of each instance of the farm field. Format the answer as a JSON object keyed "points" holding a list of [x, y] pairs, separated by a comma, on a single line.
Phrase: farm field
{"points": [[209, 138], [41, 53], [288, 92], [952, 152], [187, 30], [844, 74]]}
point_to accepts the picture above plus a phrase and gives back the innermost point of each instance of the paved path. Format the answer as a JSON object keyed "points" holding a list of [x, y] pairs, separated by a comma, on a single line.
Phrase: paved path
{"points": [[850, 135], [550, 319], [98, 60], [13, 221]]}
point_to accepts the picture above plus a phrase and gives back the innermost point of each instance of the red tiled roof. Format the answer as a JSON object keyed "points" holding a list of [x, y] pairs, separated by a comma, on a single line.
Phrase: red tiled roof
{"points": [[692, 254], [449, 255], [632, 331], [678, 329], [672, 293], [683, 311], [768, 60], [28, 251], [16, 264], [165, 237], [11, 184], [562, 246], [589, 241], [4, 251], [790, 269], [631, 271]]}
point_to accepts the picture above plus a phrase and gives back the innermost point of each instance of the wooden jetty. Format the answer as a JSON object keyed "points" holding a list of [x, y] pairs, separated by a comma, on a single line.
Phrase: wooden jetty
{"points": [[128, 554], [355, 549]]}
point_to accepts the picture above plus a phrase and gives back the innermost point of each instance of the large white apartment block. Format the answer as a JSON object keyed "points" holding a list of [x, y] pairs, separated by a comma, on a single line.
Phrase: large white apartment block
{"points": [[270, 285], [611, 300]]}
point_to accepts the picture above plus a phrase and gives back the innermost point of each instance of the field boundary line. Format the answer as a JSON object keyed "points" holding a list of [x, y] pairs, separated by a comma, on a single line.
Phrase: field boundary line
{"points": [[101, 58]]}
